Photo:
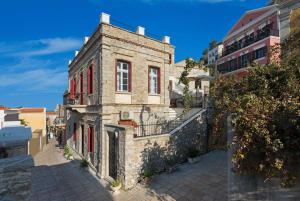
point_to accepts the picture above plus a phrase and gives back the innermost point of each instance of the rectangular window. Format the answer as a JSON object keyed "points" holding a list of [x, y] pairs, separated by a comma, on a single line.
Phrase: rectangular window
{"points": [[154, 80], [260, 53], [244, 60], [90, 79], [123, 76]]}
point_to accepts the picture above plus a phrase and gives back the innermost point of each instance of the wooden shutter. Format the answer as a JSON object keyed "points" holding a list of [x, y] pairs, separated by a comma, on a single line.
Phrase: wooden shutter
{"points": [[116, 76], [71, 88], [129, 77], [158, 80], [149, 81]]}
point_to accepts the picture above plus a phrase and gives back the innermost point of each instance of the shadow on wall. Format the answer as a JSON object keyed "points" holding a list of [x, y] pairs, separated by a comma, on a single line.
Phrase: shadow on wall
{"points": [[157, 158]]}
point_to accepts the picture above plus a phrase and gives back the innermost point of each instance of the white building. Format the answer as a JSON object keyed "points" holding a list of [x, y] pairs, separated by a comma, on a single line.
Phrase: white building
{"points": [[214, 54], [9, 117], [198, 85]]}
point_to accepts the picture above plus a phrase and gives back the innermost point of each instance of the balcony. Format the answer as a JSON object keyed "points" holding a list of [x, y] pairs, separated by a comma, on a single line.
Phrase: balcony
{"points": [[249, 40], [73, 103]]}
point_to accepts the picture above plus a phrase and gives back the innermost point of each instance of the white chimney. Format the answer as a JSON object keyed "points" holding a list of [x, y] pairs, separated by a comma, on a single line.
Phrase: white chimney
{"points": [[166, 39], [86, 39], [70, 61], [140, 30], [76, 53], [105, 18]]}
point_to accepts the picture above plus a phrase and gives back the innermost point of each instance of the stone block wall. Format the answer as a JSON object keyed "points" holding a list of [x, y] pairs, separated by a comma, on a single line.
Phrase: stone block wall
{"points": [[15, 178], [137, 155]]}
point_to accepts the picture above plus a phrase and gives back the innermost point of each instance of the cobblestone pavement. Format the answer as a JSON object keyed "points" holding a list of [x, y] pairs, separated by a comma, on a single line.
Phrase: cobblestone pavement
{"points": [[56, 179]]}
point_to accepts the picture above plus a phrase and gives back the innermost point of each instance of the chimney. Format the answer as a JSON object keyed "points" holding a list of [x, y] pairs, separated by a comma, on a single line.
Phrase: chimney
{"points": [[76, 53], [86, 39], [140, 30], [166, 39], [105, 18]]}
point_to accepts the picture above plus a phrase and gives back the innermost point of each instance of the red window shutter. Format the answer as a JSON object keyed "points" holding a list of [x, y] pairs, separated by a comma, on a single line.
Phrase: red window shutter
{"points": [[75, 86], [88, 80], [129, 77], [158, 80], [89, 139], [149, 70], [71, 87], [92, 79], [92, 139], [116, 76]]}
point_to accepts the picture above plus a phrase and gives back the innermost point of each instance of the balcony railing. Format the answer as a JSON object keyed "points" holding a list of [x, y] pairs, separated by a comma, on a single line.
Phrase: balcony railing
{"points": [[249, 40]]}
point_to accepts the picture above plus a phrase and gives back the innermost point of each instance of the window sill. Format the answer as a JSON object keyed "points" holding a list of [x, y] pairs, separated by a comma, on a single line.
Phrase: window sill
{"points": [[262, 58], [123, 92], [153, 94]]}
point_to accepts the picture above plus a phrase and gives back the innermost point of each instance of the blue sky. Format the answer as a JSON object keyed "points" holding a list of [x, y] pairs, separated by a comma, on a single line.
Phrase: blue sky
{"points": [[37, 38]]}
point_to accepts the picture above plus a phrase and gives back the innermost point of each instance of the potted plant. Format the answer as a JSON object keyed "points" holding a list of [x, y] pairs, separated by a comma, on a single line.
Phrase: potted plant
{"points": [[84, 164], [192, 154], [67, 153], [115, 186], [146, 177]]}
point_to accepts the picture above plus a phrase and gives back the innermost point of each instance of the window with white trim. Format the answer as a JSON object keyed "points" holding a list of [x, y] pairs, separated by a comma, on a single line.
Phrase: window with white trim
{"points": [[122, 76], [153, 80]]}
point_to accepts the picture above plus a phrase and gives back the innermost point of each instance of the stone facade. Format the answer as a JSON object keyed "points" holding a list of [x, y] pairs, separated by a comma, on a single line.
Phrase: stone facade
{"points": [[15, 178], [137, 155], [107, 45]]}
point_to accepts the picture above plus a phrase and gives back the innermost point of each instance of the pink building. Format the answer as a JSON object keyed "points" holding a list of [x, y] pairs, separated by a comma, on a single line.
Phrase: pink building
{"points": [[249, 40]]}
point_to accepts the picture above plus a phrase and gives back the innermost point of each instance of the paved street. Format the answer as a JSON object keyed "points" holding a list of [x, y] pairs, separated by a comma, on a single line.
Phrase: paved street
{"points": [[56, 179]]}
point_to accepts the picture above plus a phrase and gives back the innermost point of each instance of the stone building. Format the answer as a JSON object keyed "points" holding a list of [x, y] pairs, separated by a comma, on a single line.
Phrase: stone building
{"points": [[118, 77]]}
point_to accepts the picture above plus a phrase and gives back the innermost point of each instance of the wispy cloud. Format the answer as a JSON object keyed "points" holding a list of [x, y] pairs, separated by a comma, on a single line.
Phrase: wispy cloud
{"points": [[39, 47], [35, 80]]}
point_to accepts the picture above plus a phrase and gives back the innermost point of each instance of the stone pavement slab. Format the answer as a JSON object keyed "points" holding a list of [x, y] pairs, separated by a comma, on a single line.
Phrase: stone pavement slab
{"points": [[56, 179]]}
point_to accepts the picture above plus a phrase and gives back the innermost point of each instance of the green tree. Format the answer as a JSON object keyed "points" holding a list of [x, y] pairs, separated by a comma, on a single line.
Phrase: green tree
{"points": [[213, 44], [266, 115]]}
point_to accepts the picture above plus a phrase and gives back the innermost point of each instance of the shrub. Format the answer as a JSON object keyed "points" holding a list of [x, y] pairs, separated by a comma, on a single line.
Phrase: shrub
{"points": [[266, 109], [115, 183], [84, 163], [67, 150], [147, 174]]}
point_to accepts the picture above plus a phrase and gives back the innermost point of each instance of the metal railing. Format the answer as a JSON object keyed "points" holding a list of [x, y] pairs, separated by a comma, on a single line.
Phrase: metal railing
{"points": [[249, 41], [160, 128]]}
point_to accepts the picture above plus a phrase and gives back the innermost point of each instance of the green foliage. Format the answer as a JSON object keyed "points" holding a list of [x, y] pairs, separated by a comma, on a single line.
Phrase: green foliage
{"points": [[190, 64], [84, 163], [67, 152], [148, 174], [23, 122], [266, 108], [213, 44], [115, 183]]}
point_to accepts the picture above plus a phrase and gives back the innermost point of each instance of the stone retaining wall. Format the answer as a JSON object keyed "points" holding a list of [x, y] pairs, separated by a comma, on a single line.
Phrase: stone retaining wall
{"points": [[15, 178]]}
